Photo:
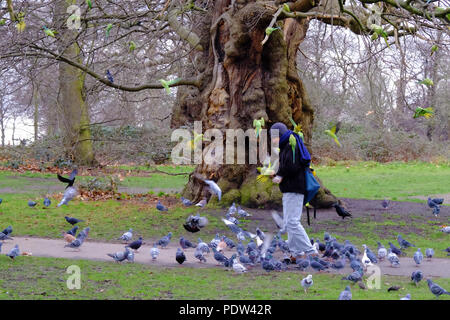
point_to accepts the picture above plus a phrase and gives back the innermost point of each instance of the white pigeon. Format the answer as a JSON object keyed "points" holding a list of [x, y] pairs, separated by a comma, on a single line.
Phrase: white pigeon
{"points": [[69, 194], [214, 188], [201, 203], [445, 229], [407, 297], [365, 259], [154, 252], [127, 236], [307, 282], [238, 268]]}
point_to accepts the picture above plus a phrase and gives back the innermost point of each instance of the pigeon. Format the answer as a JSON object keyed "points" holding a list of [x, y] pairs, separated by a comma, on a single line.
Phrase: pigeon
{"points": [[447, 250], [79, 240], [70, 191], [320, 246], [431, 203], [135, 245], [394, 249], [68, 237], [346, 294], [14, 252], [8, 230], [186, 202], [47, 202], [407, 297], [164, 241], [185, 244], [438, 200], [436, 210], [445, 229], [219, 257], [315, 264], [385, 204], [244, 259], [418, 256], [429, 253], [238, 268], [436, 289], [229, 262], [232, 210], [365, 259], [84, 233], [341, 211], [195, 223], [5, 236], [198, 254], [307, 282], [302, 264], [161, 207], [119, 256], [1, 200], [394, 288], [180, 256], [32, 204], [73, 231], [1, 243], [72, 220], [202, 246], [130, 256], [201, 203], [214, 242], [154, 252], [230, 243], [242, 213], [214, 188], [279, 222], [339, 264], [266, 264], [382, 252], [416, 276], [127, 236], [403, 243], [393, 259], [260, 234], [239, 232], [355, 276]]}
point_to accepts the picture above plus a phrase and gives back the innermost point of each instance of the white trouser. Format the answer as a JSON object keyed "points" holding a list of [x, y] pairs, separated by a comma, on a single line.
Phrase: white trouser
{"points": [[298, 240]]}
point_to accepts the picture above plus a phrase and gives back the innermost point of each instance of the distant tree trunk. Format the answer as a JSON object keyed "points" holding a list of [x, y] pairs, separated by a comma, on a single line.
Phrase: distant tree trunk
{"points": [[244, 80], [75, 113], [36, 111], [2, 122]]}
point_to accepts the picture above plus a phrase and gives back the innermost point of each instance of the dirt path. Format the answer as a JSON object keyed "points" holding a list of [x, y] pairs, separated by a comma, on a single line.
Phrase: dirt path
{"points": [[92, 250]]}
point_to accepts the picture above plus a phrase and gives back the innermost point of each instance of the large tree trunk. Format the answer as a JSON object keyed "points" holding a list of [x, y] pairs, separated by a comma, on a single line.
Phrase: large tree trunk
{"points": [[247, 81], [76, 122]]}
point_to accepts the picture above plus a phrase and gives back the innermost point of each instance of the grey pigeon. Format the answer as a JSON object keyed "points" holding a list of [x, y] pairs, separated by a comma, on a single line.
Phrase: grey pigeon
{"points": [[47, 202], [1, 243], [214, 242], [127, 236], [346, 294], [232, 210], [32, 204], [219, 257], [8, 230], [198, 254], [164, 241], [393, 259], [404, 243], [302, 264], [339, 264], [417, 276], [72, 220], [4, 236], [407, 297], [73, 231], [180, 256], [438, 200], [266, 264], [382, 252], [385, 204], [201, 203], [154, 252], [436, 210], [186, 202], [429, 253], [242, 213], [185, 244], [355, 276], [130, 256], [14, 252], [135, 245], [394, 249], [161, 207], [119, 256], [436, 289], [202, 246], [418, 256]]}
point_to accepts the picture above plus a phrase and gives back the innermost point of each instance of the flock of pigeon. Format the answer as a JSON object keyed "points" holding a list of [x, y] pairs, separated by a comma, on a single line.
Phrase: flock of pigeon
{"points": [[260, 249]]}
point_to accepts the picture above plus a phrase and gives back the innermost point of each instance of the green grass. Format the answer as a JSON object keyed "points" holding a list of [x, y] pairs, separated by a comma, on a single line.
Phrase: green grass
{"points": [[45, 278], [395, 180]]}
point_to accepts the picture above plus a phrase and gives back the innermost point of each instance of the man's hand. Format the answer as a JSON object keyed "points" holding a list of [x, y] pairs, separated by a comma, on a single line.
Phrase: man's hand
{"points": [[277, 179]]}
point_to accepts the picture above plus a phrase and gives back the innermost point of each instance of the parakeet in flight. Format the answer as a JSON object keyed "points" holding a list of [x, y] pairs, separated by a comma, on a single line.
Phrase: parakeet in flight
{"points": [[434, 48], [167, 84], [427, 82], [297, 128], [269, 30], [293, 144], [267, 170], [379, 31], [258, 124], [49, 32], [423, 112], [333, 132]]}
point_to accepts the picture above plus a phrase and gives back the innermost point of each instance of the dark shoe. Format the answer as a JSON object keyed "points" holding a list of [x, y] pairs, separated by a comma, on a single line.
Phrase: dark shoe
{"points": [[293, 260]]}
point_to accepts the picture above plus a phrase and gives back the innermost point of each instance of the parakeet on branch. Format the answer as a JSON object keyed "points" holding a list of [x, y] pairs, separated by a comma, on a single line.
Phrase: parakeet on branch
{"points": [[132, 45], [379, 31], [108, 29], [423, 112], [269, 30], [89, 4], [286, 7], [427, 82], [258, 124], [434, 48], [49, 32], [333, 132], [167, 84]]}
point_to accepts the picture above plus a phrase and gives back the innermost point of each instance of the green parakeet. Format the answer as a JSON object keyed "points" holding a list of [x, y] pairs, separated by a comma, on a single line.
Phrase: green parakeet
{"points": [[379, 31], [293, 144], [333, 132], [266, 171], [89, 4], [427, 82], [197, 137], [269, 30], [258, 124], [132, 46], [2, 22], [108, 29], [286, 7], [297, 128], [167, 84], [21, 22], [434, 48], [423, 112], [49, 32]]}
